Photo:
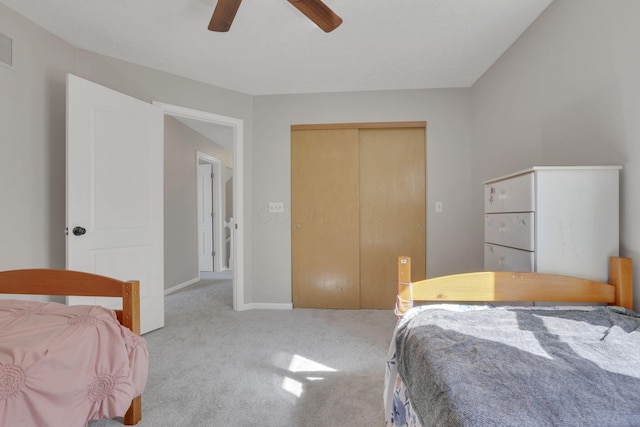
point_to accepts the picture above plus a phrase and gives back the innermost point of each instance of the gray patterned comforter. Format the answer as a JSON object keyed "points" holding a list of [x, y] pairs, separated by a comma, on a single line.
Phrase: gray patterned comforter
{"points": [[522, 366]]}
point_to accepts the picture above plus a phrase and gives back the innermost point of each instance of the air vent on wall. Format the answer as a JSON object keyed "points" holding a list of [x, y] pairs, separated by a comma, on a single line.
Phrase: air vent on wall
{"points": [[6, 50]]}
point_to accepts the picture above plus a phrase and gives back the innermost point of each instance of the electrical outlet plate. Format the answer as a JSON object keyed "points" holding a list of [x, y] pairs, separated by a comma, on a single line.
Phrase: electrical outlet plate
{"points": [[276, 207]]}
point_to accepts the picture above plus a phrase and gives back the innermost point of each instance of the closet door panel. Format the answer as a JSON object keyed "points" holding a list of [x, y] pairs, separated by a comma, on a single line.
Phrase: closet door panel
{"points": [[325, 214], [392, 210]]}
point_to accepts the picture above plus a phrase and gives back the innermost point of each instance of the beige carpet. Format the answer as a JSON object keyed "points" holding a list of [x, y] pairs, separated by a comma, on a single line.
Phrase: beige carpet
{"points": [[211, 366]]}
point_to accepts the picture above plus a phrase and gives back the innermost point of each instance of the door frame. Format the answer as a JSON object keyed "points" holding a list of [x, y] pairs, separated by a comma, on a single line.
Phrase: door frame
{"points": [[218, 206], [238, 188]]}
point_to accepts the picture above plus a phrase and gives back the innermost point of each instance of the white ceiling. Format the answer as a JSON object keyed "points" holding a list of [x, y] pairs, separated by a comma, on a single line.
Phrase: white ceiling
{"points": [[273, 49]]}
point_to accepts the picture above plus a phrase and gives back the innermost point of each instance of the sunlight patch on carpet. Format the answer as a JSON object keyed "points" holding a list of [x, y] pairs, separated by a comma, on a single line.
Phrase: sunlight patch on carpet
{"points": [[303, 370]]}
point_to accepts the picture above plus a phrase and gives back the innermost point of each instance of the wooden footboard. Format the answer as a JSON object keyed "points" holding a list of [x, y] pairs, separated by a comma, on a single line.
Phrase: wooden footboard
{"points": [[75, 283], [512, 286]]}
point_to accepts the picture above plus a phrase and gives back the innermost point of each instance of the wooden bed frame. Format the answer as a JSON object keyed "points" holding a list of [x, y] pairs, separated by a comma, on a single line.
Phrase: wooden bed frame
{"points": [[506, 286], [75, 283]]}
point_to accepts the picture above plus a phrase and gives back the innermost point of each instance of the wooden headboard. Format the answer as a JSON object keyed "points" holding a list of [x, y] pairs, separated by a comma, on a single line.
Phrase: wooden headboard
{"points": [[76, 283], [508, 286]]}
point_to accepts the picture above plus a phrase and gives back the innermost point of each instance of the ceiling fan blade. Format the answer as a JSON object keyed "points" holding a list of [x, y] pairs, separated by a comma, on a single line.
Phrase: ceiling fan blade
{"points": [[319, 13], [223, 15]]}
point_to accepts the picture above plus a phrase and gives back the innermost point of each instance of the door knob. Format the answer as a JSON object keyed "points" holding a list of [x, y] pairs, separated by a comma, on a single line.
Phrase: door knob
{"points": [[420, 227], [79, 231], [296, 227]]}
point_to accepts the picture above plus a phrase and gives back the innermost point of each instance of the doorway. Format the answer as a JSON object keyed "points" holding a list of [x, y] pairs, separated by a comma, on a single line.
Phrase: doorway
{"points": [[212, 214], [234, 127]]}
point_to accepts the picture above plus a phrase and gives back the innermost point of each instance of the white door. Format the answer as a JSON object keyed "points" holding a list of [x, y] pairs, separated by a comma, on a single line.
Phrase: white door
{"points": [[205, 217], [115, 193]]}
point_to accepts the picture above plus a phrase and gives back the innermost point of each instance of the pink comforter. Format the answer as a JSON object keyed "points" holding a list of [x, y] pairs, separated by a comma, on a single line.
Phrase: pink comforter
{"points": [[65, 365]]}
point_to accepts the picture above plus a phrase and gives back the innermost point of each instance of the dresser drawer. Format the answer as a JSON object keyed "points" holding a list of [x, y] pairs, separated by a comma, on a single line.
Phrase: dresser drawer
{"points": [[510, 195], [513, 229], [500, 258]]}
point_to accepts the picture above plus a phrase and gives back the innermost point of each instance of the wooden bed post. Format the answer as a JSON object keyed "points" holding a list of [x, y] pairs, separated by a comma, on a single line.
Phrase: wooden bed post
{"points": [[621, 275], [131, 305], [404, 300], [131, 320], [134, 414]]}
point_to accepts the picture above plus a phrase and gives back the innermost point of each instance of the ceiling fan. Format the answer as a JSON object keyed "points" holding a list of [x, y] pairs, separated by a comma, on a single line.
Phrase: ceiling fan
{"points": [[315, 10]]}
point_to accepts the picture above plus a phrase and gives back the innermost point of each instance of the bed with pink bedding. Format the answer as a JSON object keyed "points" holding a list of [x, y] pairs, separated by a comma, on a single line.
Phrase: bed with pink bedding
{"points": [[66, 365]]}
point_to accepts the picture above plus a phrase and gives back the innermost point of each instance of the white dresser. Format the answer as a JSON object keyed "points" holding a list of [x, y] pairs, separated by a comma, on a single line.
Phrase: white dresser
{"points": [[562, 220]]}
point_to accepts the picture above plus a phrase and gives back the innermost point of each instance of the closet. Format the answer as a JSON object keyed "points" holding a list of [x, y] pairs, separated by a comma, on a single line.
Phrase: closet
{"points": [[358, 196]]}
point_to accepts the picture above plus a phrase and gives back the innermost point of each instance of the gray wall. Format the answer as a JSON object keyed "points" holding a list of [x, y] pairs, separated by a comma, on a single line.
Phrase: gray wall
{"points": [[449, 159], [32, 147], [567, 92], [180, 198]]}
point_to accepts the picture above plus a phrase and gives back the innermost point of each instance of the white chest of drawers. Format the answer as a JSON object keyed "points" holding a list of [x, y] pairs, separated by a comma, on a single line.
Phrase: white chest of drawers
{"points": [[561, 220]]}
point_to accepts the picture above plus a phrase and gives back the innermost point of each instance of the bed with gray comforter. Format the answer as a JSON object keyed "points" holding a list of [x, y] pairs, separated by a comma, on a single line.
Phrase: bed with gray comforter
{"points": [[525, 366]]}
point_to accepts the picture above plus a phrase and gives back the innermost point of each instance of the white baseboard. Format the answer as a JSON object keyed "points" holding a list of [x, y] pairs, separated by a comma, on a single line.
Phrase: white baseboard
{"points": [[265, 306], [180, 286], [244, 307]]}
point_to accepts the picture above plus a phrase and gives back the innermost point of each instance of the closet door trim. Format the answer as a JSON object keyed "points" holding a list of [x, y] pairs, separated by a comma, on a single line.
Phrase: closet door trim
{"points": [[372, 125]]}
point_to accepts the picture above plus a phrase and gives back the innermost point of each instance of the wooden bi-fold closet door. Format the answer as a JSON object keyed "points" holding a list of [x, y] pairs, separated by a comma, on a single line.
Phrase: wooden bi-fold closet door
{"points": [[358, 201]]}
